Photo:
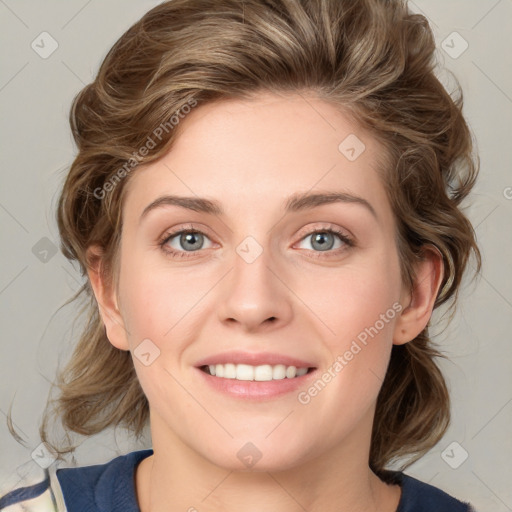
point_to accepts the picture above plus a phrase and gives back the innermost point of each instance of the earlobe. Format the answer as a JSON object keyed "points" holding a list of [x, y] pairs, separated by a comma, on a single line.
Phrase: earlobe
{"points": [[420, 301], [104, 292]]}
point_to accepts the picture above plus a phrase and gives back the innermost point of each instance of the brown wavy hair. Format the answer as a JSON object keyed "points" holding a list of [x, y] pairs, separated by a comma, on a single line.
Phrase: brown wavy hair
{"points": [[374, 59]]}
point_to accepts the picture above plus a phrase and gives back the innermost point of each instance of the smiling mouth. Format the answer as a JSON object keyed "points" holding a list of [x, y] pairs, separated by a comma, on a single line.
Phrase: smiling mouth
{"points": [[261, 373]]}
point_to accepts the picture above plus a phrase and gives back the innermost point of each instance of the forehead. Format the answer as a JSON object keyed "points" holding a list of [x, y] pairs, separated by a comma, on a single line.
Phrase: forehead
{"points": [[243, 152]]}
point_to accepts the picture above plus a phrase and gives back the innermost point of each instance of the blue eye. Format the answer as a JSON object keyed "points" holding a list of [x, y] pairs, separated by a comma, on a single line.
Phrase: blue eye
{"points": [[326, 239], [184, 241], [180, 244]]}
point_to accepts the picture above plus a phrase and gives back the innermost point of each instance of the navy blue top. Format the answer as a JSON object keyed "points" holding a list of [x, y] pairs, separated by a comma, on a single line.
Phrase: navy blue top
{"points": [[110, 487]]}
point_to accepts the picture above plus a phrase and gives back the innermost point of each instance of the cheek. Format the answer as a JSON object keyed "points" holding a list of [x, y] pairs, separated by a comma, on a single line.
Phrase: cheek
{"points": [[362, 318], [355, 298], [359, 306], [156, 300]]}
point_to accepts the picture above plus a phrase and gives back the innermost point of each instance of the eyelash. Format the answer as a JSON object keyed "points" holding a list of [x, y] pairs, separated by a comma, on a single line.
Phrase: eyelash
{"points": [[349, 242]]}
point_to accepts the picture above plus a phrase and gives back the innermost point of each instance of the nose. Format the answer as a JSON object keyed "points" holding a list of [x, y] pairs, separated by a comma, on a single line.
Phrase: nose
{"points": [[254, 296]]}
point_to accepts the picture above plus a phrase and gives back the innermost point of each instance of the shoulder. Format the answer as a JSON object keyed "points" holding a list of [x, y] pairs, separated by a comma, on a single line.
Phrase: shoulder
{"points": [[418, 496], [108, 486], [37, 490], [101, 487]]}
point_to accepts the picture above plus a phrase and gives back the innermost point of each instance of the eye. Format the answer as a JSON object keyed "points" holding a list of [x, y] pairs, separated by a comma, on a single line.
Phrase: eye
{"points": [[179, 243], [183, 243], [324, 240]]}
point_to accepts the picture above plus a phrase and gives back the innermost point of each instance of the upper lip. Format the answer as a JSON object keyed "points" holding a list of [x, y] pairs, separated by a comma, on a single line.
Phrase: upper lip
{"points": [[253, 359]]}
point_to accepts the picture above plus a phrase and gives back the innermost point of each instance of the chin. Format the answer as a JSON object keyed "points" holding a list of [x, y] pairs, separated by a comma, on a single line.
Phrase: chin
{"points": [[257, 457]]}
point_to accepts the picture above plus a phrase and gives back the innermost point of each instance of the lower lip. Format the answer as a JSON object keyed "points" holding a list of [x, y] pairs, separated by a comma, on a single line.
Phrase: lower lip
{"points": [[255, 390]]}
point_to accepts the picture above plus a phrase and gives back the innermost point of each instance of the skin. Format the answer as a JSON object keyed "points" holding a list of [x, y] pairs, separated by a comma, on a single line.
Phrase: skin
{"points": [[315, 455]]}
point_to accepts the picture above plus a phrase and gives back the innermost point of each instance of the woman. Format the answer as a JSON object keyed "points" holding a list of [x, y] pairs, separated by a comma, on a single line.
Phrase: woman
{"points": [[265, 202]]}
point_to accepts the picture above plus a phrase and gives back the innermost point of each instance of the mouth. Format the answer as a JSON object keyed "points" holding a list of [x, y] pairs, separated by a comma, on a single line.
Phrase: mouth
{"points": [[257, 376], [260, 373]]}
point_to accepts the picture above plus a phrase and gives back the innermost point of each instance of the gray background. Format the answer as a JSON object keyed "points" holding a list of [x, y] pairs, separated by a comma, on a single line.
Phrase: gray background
{"points": [[35, 95]]}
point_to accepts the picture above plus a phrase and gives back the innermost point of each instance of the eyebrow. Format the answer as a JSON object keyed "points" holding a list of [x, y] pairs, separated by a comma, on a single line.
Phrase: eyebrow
{"points": [[295, 203]]}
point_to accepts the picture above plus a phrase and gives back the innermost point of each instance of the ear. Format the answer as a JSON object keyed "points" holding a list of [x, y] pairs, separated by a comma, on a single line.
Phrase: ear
{"points": [[419, 302], [105, 294]]}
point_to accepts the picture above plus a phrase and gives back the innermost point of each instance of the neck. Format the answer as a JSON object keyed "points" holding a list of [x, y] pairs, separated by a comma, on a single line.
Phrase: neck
{"points": [[338, 481]]}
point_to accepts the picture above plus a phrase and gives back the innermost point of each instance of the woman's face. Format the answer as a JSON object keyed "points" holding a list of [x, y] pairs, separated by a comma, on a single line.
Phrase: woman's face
{"points": [[275, 276]]}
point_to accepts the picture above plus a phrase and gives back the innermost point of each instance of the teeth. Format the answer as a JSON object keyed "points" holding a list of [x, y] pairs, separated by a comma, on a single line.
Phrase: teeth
{"points": [[260, 373], [244, 372], [279, 372], [229, 371], [263, 372]]}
